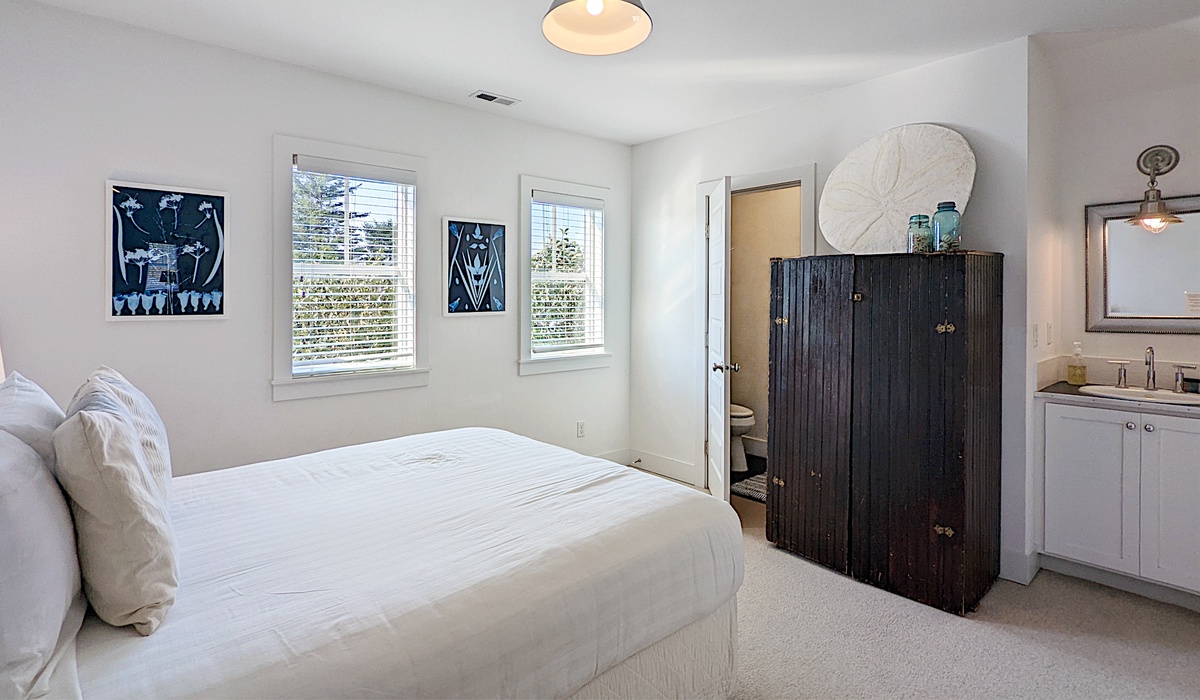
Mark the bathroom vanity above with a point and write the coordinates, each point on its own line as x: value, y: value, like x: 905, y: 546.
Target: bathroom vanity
x: 1121, y: 486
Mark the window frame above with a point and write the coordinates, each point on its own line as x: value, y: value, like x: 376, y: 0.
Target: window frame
x: 531, y: 363
x: 284, y: 385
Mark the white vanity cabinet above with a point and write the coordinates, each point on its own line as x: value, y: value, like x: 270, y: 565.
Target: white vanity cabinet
x: 1171, y: 500
x: 1122, y: 492
x: 1093, y: 459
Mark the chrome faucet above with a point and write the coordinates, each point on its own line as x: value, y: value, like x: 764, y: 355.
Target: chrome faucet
x: 1151, y: 384
x: 1179, y: 377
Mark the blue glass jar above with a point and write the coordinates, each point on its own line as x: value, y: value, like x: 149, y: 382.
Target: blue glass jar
x: 920, y: 236
x: 946, y: 227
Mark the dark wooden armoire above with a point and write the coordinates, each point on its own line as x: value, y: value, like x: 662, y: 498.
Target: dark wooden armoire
x: 884, y: 420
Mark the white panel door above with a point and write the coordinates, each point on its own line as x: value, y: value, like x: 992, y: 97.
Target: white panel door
x: 717, y: 395
x: 1171, y: 500
x: 1092, y: 498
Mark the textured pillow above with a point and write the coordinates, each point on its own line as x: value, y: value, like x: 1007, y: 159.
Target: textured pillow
x: 41, y: 606
x: 29, y: 414
x: 115, y: 466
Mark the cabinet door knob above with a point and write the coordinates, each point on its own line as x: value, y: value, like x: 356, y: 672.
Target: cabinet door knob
x: 1131, y: 425
x: 1149, y: 428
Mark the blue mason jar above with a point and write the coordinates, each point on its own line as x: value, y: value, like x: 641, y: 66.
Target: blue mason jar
x: 946, y: 227
x: 920, y: 236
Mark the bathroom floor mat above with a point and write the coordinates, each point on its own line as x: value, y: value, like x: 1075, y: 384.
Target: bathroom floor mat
x: 754, y: 488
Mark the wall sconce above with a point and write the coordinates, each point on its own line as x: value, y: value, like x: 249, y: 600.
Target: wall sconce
x: 596, y: 27
x: 1153, y: 214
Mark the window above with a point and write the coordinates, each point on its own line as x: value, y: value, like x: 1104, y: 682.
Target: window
x: 563, y: 270
x: 347, y: 241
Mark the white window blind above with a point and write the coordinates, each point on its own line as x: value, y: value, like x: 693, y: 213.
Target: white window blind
x: 566, y: 273
x: 353, y: 272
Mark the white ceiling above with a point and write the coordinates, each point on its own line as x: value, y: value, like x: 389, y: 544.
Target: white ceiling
x: 706, y: 61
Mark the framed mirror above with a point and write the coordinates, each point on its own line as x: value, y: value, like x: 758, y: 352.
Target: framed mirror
x: 1143, y: 282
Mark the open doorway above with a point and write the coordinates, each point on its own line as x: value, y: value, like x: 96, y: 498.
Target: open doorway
x: 714, y: 209
x: 765, y: 223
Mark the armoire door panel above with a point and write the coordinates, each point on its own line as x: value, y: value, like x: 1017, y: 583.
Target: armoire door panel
x: 947, y: 488
x: 890, y: 398
x: 810, y: 383
x: 781, y: 427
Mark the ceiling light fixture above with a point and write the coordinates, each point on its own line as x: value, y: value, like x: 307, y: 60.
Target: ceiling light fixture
x: 596, y: 27
x: 1153, y: 214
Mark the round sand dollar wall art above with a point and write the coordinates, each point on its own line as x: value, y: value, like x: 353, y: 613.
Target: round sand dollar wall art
x: 903, y: 171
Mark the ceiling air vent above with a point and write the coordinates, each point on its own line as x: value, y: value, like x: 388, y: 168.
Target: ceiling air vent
x: 495, y: 99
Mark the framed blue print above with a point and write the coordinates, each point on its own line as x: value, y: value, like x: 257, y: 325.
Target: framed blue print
x: 473, y: 264
x: 166, y: 252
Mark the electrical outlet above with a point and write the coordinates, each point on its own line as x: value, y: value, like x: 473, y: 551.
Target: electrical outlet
x: 1035, y: 338
x: 579, y: 429
x: 1049, y: 330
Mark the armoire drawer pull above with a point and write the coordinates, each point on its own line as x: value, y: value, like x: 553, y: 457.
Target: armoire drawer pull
x: 1131, y: 425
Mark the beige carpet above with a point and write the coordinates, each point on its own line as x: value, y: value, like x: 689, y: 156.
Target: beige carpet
x: 806, y: 632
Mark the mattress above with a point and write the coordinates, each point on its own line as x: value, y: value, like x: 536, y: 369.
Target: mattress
x: 697, y: 662
x: 465, y: 563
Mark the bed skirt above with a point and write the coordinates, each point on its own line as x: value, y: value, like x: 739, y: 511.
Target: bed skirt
x: 698, y: 661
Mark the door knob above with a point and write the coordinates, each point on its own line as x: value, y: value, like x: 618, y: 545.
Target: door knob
x: 718, y: 367
x: 1131, y: 425
x: 1149, y: 428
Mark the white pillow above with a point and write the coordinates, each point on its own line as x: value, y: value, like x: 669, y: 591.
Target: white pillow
x: 41, y: 606
x: 29, y: 414
x: 114, y: 464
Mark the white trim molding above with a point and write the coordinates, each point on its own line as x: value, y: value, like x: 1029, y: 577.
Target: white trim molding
x: 284, y: 385
x: 596, y: 358
x: 665, y: 466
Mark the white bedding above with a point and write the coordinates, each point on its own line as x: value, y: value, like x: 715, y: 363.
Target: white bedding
x: 466, y: 563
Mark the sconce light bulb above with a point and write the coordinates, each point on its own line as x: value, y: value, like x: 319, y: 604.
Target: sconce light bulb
x: 595, y: 7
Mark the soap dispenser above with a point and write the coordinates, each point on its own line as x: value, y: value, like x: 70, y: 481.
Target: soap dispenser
x: 1076, y: 370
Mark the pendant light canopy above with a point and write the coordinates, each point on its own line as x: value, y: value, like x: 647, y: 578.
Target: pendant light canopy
x: 596, y: 27
x: 1153, y: 214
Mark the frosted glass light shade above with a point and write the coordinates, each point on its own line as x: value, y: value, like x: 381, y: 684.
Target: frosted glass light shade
x: 619, y: 26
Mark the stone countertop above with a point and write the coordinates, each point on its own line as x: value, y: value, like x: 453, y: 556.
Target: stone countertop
x: 1062, y: 392
x: 1062, y: 388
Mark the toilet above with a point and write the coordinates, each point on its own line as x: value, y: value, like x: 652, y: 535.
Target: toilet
x: 741, y: 420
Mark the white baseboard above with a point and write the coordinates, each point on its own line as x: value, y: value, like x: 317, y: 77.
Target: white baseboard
x: 1018, y: 566
x: 670, y: 468
x: 755, y: 446
x: 618, y: 456
x: 1138, y: 586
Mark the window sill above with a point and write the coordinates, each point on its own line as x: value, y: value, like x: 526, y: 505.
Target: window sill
x: 563, y: 363
x: 313, y: 387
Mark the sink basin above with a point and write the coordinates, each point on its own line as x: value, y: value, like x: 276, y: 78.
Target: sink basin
x: 1133, y: 394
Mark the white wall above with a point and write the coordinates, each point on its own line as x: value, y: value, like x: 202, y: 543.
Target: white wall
x: 1117, y: 98
x: 982, y: 94
x: 85, y: 100
x: 1047, y: 237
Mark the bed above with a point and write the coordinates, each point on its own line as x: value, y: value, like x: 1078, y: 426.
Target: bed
x: 464, y: 563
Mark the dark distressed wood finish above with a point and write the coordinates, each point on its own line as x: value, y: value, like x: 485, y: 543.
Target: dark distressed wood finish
x: 885, y: 431
x: 808, y: 475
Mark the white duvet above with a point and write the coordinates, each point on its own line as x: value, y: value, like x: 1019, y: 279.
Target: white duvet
x: 466, y: 563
